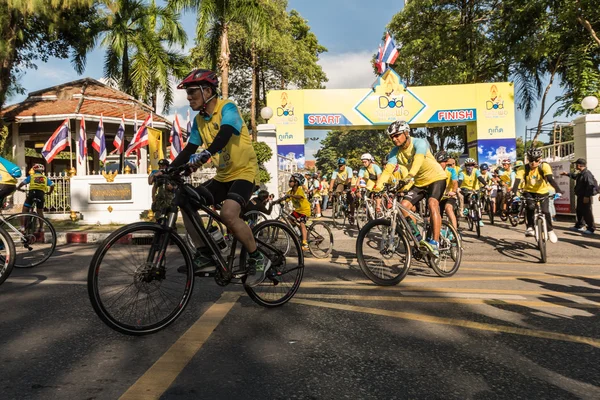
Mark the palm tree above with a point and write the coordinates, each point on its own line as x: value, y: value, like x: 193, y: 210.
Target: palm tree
x: 138, y: 37
x: 214, y: 18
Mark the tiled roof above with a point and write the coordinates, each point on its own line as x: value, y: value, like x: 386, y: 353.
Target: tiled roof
x: 85, y: 96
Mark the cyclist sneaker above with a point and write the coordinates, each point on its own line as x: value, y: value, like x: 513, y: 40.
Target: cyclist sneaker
x: 305, y: 246
x: 432, y: 246
x: 257, y: 269
x: 202, y: 263
x: 552, y: 237
x: 529, y: 232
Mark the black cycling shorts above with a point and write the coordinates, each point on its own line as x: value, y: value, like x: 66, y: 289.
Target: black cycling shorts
x: 447, y: 200
x: 434, y: 190
x: 35, y: 195
x: 238, y: 190
x: 5, y: 191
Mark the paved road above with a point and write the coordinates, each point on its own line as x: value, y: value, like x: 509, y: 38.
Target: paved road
x: 505, y: 326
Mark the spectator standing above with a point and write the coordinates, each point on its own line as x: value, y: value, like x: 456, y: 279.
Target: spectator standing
x: 586, y: 187
x: 324, y: 193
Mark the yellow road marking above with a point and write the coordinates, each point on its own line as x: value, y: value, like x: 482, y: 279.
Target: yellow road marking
x: 529, y: 264
x: 454, y: 322
x: 418, y: 299
x: 161, y: 375
x: 412, y: 279
x: 503, y: 270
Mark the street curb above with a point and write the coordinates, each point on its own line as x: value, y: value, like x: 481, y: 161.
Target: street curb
x: 80, y: 237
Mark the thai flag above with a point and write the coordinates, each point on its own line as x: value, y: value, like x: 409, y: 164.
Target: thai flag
x: 57, y: 142
x: 176, y: 138
x: 140, y: 139
x: 119, y: 141
x: 379, y: 61
x: 99, y: 143
x: 390, y: 52
x: 81, y: 155
x: 188, y: 126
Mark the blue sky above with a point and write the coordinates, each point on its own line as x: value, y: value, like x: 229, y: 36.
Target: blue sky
x: 351, y: 30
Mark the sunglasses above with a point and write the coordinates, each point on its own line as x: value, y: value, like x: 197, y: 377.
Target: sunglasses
x: 395, y: 135
x: 292, y: 181
x: 191, y: 90
x: 534, y: 161
x: 450, y: 165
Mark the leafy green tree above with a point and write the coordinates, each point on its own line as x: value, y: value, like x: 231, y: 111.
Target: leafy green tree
x: 214, y: 20
x: 40, y: 29
x: 138, y: 37
x: 263, y: 154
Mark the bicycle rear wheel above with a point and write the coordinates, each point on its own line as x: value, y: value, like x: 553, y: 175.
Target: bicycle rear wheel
x: 320, y: 239
x: 287, y: 264
x: 7, y: 255
x: 450, y: 249
x: 135, y: 287
x: 37, y: 241
x: 383, y: 256
x: 541, y: 239
x: 338, y: 215
x: 254, y: 218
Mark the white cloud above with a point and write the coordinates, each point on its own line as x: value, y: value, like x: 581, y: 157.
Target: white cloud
x: 348, y: 70
x: 480, y: 149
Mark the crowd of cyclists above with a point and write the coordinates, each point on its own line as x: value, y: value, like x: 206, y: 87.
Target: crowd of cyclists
x: 222, y: 137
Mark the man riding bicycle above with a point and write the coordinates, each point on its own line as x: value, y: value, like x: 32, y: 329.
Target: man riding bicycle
x: 449, y: 199
x: 342, y: 179
x: 538, y: 178
x: 428, y: 176
x: 507, y: 178
x: 370, y: 172
x: 491, y: 185
x: 38, y: 185
x: 220, y: 129
x: 468, y: 180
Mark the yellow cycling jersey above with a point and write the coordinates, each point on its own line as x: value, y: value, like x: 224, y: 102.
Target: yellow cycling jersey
x: 469, y: 182
x: 419, y: 160
x: 38, y: 182
x: 341, y: 177
x: 302, y: 205
x: 237, y: 160
x: 535, y: 182
x: 449, y: 185
x: 324, y: 188
x: 5, y: 177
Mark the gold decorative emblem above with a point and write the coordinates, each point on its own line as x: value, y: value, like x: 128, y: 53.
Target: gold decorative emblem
x: 110, y: 177
x: 73, y: 216
x: 110, y: 209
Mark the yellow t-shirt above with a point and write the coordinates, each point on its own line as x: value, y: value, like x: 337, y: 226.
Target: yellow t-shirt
x: 533, y: 182
x: 5, y: 177
x: 449, y: 186
x: 419, y: 160
x: 302, y: 205
x: 324, y: 188
x: 237, y: 160
x: 38, y: 182
x: 470, y: 181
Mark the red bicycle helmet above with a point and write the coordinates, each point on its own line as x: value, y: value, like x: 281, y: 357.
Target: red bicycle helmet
x: 200, y: 77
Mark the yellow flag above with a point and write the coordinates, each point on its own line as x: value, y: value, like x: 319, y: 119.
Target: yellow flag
x: 155, y: 147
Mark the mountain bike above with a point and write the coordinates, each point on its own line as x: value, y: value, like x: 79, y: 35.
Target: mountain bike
x: 7, y: 255
x: 141, y: 277
x: 366, y: 209
x: 541, y: 228
x: 385, y: 247
x: 340, y: 210
x: 34, y: 236
x: 487, y: 203
x: 319, y: 235
x: 473, y: 210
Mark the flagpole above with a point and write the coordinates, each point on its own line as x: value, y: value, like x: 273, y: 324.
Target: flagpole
x: 70, y: 146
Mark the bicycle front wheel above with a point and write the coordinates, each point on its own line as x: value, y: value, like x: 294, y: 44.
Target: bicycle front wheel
x: 36, y: 240
x: 450, y: 249
x: 383, y: 256
x: 140, y: 278
x: 282, y: 248
x: 7, y: 255
x: 338, y: 215
x: 320, y: 239
x: 541, y: 239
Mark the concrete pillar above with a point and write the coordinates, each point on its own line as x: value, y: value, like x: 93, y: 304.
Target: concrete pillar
x: 587, y: 145
x: 267, y: 134
x: 18, y: 148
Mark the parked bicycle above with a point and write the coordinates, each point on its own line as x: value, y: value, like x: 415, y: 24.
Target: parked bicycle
x: 385, y: 247
x: 133, y: 280
x: 34, y: 237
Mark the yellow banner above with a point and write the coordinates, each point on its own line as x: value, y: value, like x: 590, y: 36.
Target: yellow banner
x: 155, y: 147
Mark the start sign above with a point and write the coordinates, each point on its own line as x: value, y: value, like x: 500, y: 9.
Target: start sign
x: 325, y: 120
x: 467, y: 114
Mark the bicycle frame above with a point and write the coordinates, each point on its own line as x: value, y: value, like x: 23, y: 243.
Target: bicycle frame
x: 538, y: 214
x: 397, y: 213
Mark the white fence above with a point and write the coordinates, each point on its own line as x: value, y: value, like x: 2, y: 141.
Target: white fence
x: 559, y: 151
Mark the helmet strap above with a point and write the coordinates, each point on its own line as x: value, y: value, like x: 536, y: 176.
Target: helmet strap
x: 202, y: 109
